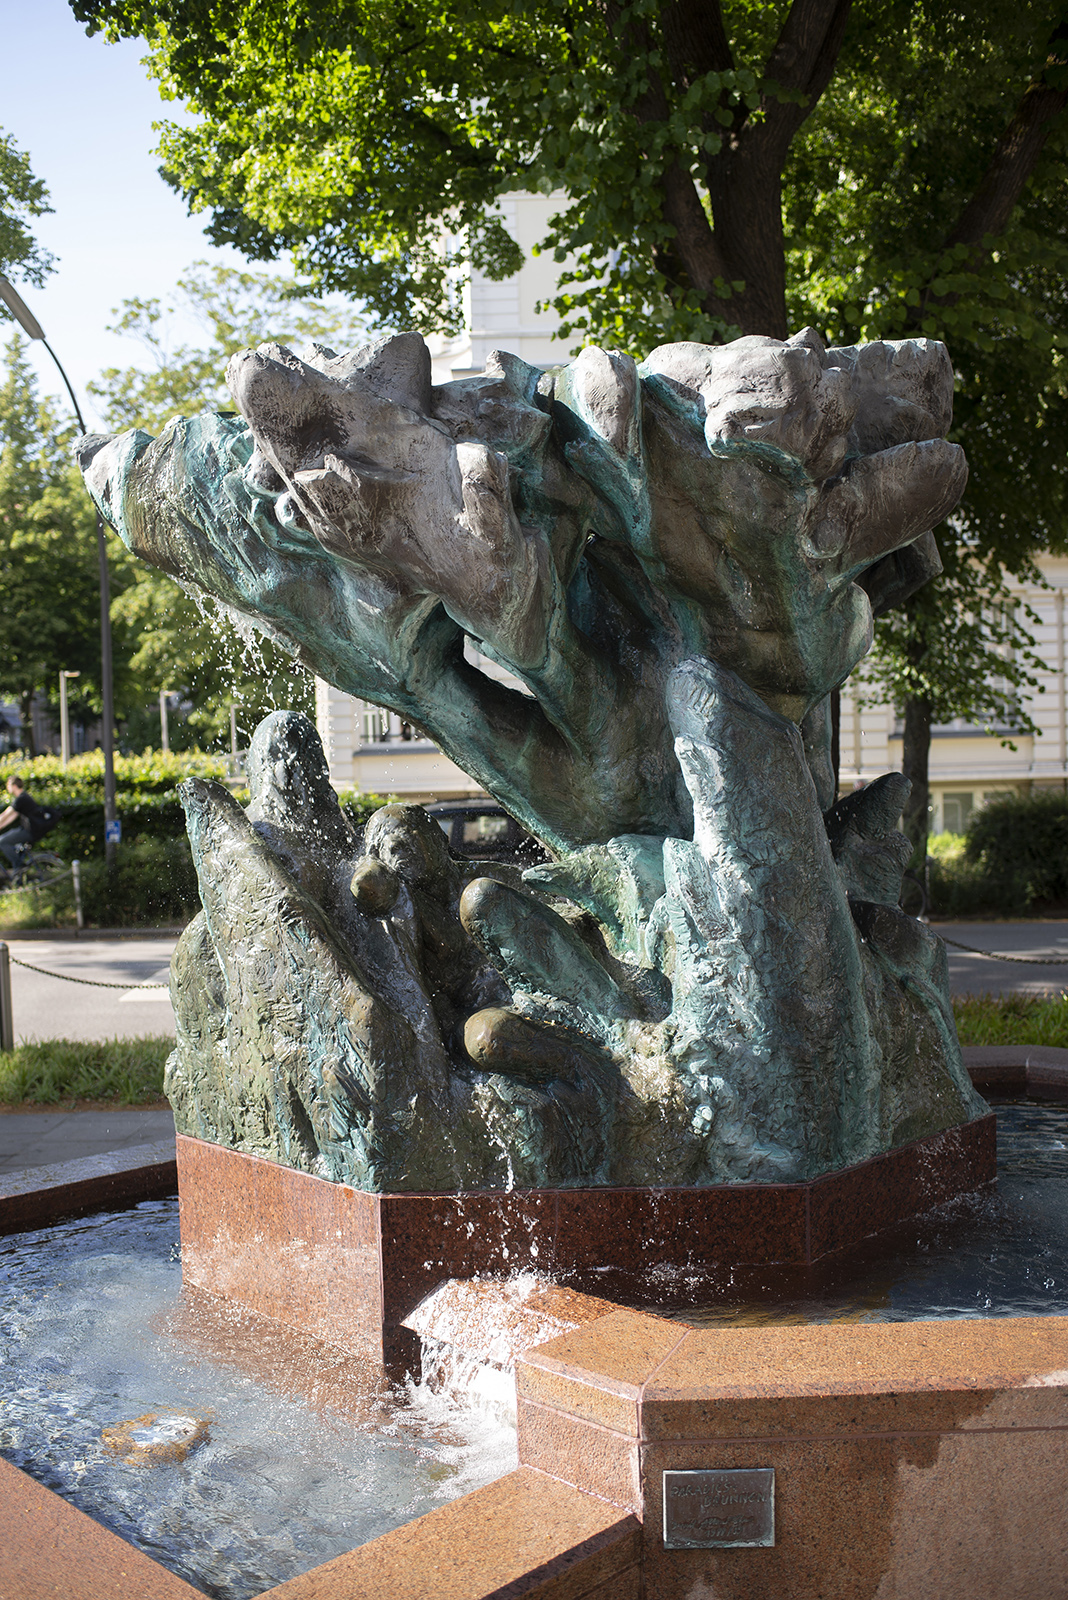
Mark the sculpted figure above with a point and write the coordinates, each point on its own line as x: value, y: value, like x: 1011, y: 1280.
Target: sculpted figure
x: 710, y: 980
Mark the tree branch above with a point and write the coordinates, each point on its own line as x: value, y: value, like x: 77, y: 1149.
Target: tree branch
x: 805, y: 52
x: 1014, y: 158
x: 803, y: 60
x: 695, y: 248
x: 1017, y: 151
x: 695, y: 39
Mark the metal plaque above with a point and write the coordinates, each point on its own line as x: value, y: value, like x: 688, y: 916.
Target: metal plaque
x: 713, y: 1510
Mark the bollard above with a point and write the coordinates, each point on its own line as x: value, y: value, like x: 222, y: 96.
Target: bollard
x: 7, y: 1022
x: 76, y: 879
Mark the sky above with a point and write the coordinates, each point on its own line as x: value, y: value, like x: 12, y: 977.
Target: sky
x: 83, y: 111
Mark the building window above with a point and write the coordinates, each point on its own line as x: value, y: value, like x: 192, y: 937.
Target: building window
x: 375, y: 725
x: 956, y: 809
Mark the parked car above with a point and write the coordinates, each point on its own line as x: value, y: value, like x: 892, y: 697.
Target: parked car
x: 480, y: 830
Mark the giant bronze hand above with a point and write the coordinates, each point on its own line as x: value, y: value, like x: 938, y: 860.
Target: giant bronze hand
x: 589, y: 529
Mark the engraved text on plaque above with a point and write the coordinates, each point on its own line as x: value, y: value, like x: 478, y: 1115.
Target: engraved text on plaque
x: 713, y: 1510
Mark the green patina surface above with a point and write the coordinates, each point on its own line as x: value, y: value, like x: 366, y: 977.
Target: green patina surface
x: 710, y: 981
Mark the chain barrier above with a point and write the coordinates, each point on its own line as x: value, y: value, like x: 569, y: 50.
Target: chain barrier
x: 93, y: 983
x: 1023, y: 961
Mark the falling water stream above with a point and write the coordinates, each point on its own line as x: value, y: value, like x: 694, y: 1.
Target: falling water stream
x: 297, y: 1453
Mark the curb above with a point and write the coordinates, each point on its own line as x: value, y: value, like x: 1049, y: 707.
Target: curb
x: 36, y: 1196
x: 1037, y: 1070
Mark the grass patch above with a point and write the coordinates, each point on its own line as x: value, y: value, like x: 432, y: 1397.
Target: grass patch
x: 126, y: 1071
x: 1012, y: 1019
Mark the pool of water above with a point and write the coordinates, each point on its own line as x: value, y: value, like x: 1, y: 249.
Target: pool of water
x: 1003, y: 1253
x: 306, y: 1454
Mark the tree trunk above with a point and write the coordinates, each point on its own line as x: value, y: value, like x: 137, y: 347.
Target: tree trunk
x: 915, y: 765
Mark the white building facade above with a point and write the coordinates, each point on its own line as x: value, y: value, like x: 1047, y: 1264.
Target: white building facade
x: 969, y: 766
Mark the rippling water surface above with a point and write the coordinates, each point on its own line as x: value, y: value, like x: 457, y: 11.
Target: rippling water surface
x: 308, y: 1454
x: 1000, y: 1254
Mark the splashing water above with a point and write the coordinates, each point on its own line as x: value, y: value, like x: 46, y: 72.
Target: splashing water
x: 308, y: 1453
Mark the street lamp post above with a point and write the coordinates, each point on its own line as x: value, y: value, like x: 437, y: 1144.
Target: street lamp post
x: 33, y: 330
x: 64, y: 723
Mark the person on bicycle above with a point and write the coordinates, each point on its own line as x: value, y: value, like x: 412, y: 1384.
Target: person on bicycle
x: 33, y: 821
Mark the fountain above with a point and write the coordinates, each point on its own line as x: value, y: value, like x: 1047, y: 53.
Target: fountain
x: 701, y: 1042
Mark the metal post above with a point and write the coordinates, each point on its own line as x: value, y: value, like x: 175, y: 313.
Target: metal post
x: 108, y: 694
x: 64, y: 720
x: 164, y: 731
x: 7, y: 1021
x: 76, y: 879
x: 64, y: 725
x: 233, y: 740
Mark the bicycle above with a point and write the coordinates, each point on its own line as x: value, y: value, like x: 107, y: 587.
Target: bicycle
x: 34, y: 869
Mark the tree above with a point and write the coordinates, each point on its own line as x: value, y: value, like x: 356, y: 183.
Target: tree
x: 49, y: 607
x: 182, y: 643
x: 889, y: 168
x: 22, y: 198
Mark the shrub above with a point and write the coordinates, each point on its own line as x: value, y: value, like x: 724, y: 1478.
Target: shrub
x: 359, y: 807
x: 154, y: 882
x: 146, y: 795
x: 1023, y: 842
x: 959, y: 887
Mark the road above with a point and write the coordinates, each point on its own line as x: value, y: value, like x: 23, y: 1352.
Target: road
x: 54, y: 1008
x: 972, y: 974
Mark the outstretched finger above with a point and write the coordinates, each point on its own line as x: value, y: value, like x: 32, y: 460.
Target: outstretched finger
x: 887, y: 500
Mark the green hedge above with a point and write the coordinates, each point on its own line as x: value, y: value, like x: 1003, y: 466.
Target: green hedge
x: 146, y: 795
x: 1013, y: 858
x: 154, y: 881
x: 1023, y: 843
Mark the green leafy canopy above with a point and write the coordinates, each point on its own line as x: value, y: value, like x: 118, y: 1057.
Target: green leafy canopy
x: 886, y: 168
x: 49, y: 573
x: 23, y: 198
x: 178, y: 642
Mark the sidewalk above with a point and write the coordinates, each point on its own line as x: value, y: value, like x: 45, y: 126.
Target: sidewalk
x: 44, y: 1138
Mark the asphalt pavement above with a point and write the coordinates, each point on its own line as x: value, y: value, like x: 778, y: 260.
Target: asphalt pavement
x: 45, y: 1006
x: 43, y: 1138
x: 976, y: 974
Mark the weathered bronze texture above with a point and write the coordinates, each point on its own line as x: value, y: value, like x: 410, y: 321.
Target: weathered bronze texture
x: 711, y: 981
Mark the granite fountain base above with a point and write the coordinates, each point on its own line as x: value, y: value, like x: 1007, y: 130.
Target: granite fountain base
x: 350, y: 1266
